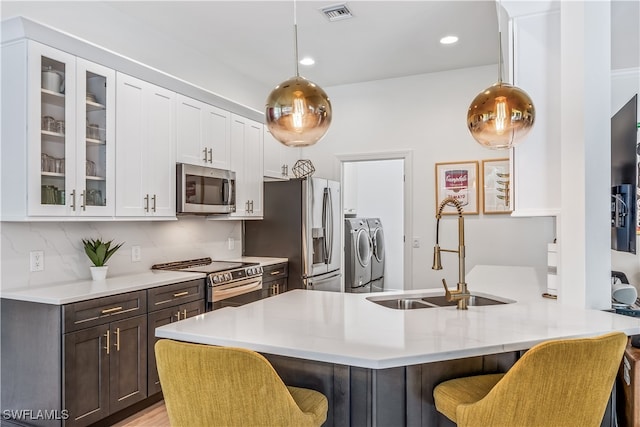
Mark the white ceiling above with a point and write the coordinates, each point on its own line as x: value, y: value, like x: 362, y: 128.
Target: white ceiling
x: 384, y: 39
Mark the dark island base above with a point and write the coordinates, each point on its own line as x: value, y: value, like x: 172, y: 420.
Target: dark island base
x: 391, y: 397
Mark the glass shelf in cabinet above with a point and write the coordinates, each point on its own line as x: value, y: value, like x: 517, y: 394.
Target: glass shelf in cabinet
x: 95, y: 106
x: 95, y: 178
x: 51, y: 97
x: 52, y: 174
x: 54, y: 135
x: 95, y: 141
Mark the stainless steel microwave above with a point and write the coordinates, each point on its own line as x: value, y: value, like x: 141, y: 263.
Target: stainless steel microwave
x: 205, y: 191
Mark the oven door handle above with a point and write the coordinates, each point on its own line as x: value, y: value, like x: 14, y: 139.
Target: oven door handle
x: 219, y: 295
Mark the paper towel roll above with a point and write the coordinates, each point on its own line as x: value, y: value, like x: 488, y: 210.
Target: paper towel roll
x: 624, y: 293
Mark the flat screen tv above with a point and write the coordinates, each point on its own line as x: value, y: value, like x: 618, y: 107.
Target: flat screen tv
x: 624, y: 177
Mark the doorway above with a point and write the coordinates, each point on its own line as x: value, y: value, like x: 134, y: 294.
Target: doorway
x: 378, y: 185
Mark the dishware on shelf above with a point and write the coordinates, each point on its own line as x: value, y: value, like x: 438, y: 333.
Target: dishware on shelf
x: 91, y: 97
x: 94, y: 197
x: 52, y: 80
x: 48, y: 195
x: 58, y: 166
x: 60, y: 128
x: 91, y: 168
x: 93, y: 131
x: 48, y: 124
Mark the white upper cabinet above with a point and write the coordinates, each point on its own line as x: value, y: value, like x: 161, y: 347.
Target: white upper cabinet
x: 203, y: 134
x: 536, y: 69
x: 278, y: 158
x: 63, y: 111
x: 246, y: 161
x: 145, y: 159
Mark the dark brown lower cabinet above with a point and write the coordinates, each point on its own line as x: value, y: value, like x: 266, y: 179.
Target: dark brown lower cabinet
x: 105, y: 369
x: 160, y: 318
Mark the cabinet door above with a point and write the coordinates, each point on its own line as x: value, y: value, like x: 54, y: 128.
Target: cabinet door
x: 217, y: 137
x: 159, y: 151
x: 246, y: 161
x: 95, y: 131
x: 274, y: 164
x: 189, y: 128
x: 51, y: 143
x: 127, y: 362
x: 86, y: 375
x: 132, y: 196
x: 160, y: 318
x: 155, y: 320
x: 145, y: 161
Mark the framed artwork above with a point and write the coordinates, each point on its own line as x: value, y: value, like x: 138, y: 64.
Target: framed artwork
x: 496, y: 186
x: 460, y: 181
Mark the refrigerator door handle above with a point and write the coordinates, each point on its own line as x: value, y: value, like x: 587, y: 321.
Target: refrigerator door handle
x: 325, y: 229
x: 330, y: 230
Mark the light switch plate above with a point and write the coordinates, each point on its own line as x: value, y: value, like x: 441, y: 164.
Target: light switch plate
x: 36, y: 261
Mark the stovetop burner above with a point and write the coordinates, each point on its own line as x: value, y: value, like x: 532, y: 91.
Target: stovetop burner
x: 203, y: 265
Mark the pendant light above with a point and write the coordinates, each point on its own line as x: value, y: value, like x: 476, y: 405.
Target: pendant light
x: 298, y: 111
x: 501, y: 115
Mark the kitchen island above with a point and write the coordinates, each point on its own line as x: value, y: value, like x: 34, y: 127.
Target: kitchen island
x: 377, y: 365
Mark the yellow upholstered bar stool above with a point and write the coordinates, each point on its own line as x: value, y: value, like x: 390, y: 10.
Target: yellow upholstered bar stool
x: 556, y: 383
x: 222, y: 386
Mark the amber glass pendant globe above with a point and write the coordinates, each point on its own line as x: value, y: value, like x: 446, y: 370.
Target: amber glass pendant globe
x: 500, y: 116
x: 298, y: 112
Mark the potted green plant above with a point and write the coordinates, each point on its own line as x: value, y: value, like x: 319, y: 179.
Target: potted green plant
x: 99, y: 253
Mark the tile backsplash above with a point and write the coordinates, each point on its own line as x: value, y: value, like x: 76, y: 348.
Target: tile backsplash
x: 65, y: 260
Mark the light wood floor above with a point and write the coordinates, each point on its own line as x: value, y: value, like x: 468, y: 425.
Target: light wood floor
x: 153, y: 416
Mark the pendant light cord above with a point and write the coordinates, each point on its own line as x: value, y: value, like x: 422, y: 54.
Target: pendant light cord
x: 295, y: 37
x: 499, y: 42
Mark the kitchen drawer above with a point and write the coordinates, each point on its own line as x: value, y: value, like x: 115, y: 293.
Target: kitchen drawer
x: 86, y: 314
x: 275, y: 271
x: 175, y: 294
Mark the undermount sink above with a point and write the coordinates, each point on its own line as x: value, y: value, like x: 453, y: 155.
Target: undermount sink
x: 401, y: 302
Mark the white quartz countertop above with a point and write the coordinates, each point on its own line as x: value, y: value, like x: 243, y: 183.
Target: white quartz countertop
x: 350, y: 330
x: 82, y: 290
x: 87, y: 289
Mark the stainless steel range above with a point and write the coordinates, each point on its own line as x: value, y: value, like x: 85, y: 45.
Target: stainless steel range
x: 227, y: 281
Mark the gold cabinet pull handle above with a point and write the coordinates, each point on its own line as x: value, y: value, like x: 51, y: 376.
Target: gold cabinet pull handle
x: 273, y: 273
x: 181, y: 294
x: 184, y: 313
x: 177, y: 315
x: 117, y: 339
x: 107, y: 335
x: 111, y: 310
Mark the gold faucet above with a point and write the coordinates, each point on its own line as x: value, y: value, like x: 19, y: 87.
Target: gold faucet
x: 461, y: 295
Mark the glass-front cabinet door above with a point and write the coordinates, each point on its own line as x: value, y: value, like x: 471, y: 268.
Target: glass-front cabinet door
x: 95, y: 128
x: 51, y: 89
x: 70, y: 132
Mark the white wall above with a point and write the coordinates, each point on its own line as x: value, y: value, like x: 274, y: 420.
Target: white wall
x: 105, y: 26
x: 378, y: 187
x: 426, y: 114
x: 65, y: 260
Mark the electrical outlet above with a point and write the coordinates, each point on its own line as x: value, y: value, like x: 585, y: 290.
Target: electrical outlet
x: 135, y: 254
x: 230, y: 243
x: 36, y: 261
x: 416, y: 242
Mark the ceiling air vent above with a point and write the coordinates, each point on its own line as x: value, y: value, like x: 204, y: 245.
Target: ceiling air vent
x: 337, y: 12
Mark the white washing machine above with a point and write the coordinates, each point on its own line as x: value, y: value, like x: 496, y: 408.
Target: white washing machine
x: 376, y: 234
x: 358, y: 252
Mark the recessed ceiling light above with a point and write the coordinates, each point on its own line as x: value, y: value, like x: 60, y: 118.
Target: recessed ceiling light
x: 449, y: 39
x: 307, y: 61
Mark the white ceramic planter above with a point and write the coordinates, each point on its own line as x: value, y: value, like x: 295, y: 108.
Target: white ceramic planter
x: 99, y: 273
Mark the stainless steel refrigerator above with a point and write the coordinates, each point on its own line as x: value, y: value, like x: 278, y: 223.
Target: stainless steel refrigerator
x: 302, y: 223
